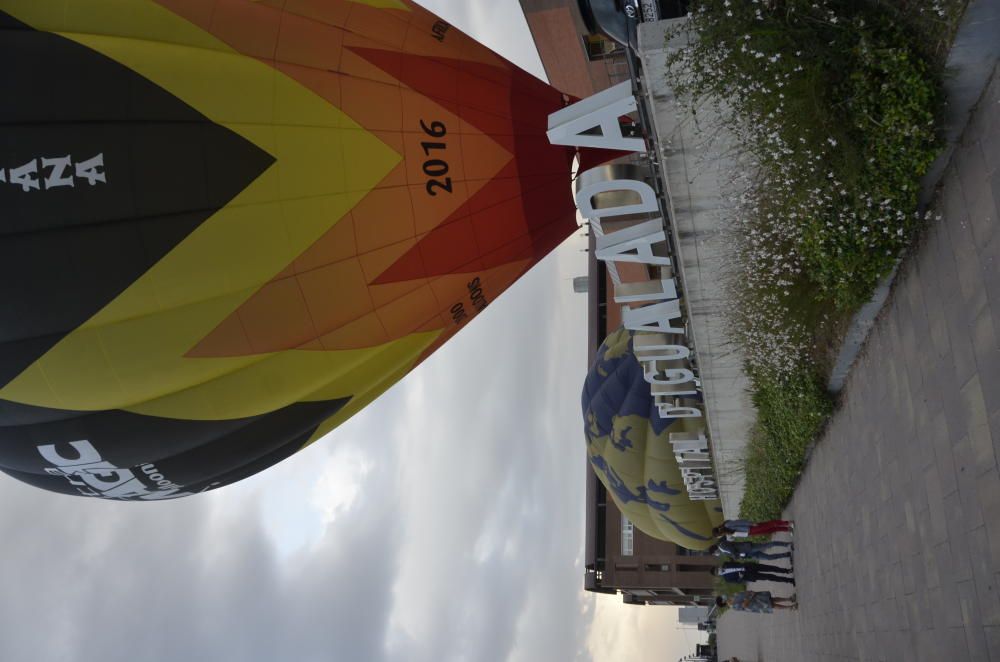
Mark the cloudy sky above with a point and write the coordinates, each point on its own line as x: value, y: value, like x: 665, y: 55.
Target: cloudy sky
x: 445, y: 522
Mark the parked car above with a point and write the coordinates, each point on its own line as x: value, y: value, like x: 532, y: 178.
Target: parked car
x: 617, y: 19
x: 655, y: 10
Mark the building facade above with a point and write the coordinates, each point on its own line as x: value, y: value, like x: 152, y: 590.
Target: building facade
x: 692, y: 615
x: 576, y: 62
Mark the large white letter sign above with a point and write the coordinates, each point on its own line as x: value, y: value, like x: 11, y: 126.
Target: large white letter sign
x: 671, y: 376
x: 669, y: 411
x: 574, y: 125
x: 685, y: 442
x: 665, y: 394
x: 618, y: 246
x: 654, y: 318
x: 594, y: 182
x: 659, y: 345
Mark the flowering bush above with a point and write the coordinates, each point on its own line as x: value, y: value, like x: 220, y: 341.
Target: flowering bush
x: 832, y: 106
x: 833, y: 111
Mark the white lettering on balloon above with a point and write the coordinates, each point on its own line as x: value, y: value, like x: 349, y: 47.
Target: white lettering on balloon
x: 92, y: 476
x: 48, y: 173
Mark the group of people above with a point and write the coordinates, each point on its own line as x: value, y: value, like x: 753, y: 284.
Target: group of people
x: 745, y: 565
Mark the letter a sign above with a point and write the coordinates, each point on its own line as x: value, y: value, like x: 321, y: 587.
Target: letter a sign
x: 574, y: 125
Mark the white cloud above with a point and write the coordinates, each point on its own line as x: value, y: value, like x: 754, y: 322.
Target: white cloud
x: 485, y: 480
x: 339, y: 483
x: 638, y: 634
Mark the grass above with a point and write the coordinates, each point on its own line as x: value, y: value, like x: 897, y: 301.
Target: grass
x: 834, y: 108
x: 790, y: 414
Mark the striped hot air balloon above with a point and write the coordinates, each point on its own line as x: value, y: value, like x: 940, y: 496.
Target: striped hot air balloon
x: 630, y: 451
x: 228, y: 225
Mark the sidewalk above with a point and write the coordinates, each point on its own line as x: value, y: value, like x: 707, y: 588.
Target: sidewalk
x: 898, y: 511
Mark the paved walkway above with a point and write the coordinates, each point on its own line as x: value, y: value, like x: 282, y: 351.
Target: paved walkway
x: 898, y: 512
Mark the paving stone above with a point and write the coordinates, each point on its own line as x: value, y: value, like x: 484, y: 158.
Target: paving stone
x: 970, y: 273
x: 925, y: 433
x: 953, y: 644
x: 978, y: 425
x: 987, y: 360
x: 935, y: 506
x: 911, y: 569
x: 937, y: 431
x: 992, y: 636
x: 978, y: 123
x: 958, y: 543
x: 975, y: 639
x: 995, y: 176
x: 988, y: 486
x: 972, y: 622
x: 938, y: 321
x: 929, y: 645
x: 969, y: 606
x: 990, y: 145
x: 982, y: 213
x: 963, y: 357
x: 954, y: 406
x: 989, y: 602
x: 949, y: 609
x: 995, y: 431
x: 910, y: 373
x: 918, y: 318
x: 970, y: 164
x: 984, y: 577
x: 968, y: 487
x: 989, y: 262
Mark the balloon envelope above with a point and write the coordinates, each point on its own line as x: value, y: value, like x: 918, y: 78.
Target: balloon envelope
x: 228, y: 225
x: 629, y: 449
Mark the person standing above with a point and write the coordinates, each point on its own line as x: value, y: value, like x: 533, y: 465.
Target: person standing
x: 737, y: 572
x: 756, y: 602
x: 755, y: 551
x: 741, y: 528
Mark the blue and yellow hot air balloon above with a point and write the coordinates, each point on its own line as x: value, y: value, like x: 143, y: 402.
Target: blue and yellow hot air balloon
x: 629, y: 450
x: 228, y: 225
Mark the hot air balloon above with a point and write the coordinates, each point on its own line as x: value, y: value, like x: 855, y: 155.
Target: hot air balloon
x: 228, y: 225
x: 629, y: 449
